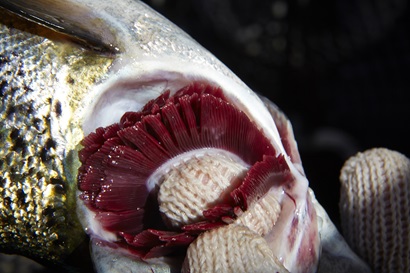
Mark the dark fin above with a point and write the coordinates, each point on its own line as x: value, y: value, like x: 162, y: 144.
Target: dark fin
x: 77, y: 22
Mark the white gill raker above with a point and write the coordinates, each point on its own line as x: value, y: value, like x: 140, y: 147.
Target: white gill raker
x: 375, y: 208
x: 231, y: 249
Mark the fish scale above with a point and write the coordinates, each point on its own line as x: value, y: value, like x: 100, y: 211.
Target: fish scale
x: 37, y: 208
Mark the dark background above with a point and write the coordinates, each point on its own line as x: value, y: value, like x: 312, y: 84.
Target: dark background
x: 339, y: 69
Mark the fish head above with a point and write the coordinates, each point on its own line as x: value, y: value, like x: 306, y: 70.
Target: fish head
x: 173, y: 155
x: 195, y: 150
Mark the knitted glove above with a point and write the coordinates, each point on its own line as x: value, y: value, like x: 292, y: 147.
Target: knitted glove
x: 375, y: 208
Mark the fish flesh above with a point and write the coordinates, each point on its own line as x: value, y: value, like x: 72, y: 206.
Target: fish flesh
x: 118, y: 125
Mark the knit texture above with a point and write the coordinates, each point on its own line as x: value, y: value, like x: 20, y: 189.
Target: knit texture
x: 262, y: 215
x: 196, y: 185
x: 231, y: 249
x: 375, y: 211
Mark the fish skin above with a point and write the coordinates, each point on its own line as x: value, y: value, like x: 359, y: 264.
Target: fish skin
x: 64, y: 95
x: 42, y: 80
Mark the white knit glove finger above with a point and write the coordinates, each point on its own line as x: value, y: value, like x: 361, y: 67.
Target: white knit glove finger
x: 375, y: 208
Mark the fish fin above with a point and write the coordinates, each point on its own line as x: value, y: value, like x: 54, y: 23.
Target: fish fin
x: 77, y: 21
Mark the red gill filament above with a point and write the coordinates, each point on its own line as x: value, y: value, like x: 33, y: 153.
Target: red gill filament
x: 117, y: 161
